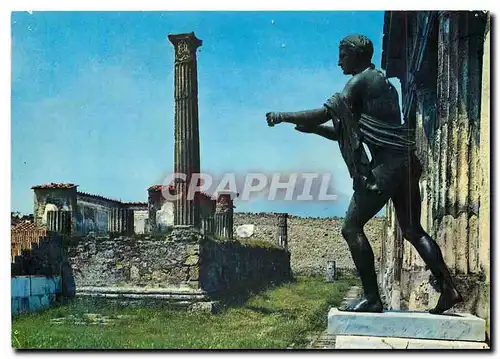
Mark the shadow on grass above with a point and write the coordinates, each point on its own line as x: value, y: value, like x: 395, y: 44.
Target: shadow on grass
x: 239, y: 294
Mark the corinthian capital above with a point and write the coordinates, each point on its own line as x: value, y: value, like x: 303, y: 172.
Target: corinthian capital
x: 185, y: 46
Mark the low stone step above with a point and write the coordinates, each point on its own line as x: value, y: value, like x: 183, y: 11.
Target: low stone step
x: 363, y: 342
x: 402, y: 324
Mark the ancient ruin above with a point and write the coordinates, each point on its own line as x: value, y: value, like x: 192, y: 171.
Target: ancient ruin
x: 442, y: 61
x: 186, y: 250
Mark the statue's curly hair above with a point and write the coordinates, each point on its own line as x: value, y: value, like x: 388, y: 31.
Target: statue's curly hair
x: 359, y: 45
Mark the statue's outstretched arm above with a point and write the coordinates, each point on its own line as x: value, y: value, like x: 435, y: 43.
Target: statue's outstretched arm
x: 314, y: 117
x: 328, y: 132
x: 309, y: 118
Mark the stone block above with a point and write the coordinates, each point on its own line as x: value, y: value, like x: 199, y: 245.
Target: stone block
x: 364, y: 342
x: 245, y: 230
x: 45, y: 300
x: 15, y: 306
x: 194, y: 273
x: 51, y: 285
x: 20, y: 286
x: 134, y: 273
x: 40, y: 285
x: 204, y: 307
x: 192, y: 260
x: 35, y: 302
x: 400, y: 324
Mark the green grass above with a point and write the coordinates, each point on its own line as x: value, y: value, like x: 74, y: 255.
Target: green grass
x: 277, y: 318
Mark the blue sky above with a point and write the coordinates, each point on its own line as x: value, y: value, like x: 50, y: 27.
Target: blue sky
x: 92, y: 97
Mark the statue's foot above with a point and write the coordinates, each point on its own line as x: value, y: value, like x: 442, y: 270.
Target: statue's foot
x: 447, y: 299
x: 364, y: 305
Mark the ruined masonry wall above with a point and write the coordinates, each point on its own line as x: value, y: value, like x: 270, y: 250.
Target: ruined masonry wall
x: 129, y: 261
x: 179, y: 259
x: 224, y: 265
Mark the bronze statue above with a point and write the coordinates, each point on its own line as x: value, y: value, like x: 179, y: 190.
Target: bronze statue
x: 367, y: 111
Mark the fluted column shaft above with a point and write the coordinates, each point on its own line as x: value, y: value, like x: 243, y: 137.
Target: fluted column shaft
x: 186, y: 138
x: 121, y: 220
x: 59, y: 221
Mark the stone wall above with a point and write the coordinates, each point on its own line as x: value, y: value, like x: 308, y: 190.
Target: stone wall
x: 312, y: 241
x: 180, y: 259
x: 143, y: 261
x: 40, y: 275
x: 32, y: 293
x: 226, y: 264
x: 92, y: 214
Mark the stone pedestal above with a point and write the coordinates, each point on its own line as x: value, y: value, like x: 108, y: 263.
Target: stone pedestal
x: 364, y: 342
x: 404, y: 329
x: 330, y: 271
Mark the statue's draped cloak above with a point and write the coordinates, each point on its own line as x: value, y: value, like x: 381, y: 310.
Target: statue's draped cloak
x: 391, y: 146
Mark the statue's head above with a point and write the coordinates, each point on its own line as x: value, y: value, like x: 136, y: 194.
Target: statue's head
x: 355, y: 51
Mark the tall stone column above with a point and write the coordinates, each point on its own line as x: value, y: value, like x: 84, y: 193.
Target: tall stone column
x: 187, y: 144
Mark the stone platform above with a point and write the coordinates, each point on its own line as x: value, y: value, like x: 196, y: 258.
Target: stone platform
x: 363, y: 342
x: 174, y: 296
x: 405, y: 330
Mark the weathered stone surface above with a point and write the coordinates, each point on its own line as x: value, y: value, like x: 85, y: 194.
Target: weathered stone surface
x: 145, y: 261
x: 180, y: 259
x: 204, y: 307
x: 134, y: 273
x: 15, y: 304
x: 20, y: 286
x: 455, y: 153
x: 245, y: 230
x: 227, y: 264
x: 41, y: 286
x: 464, y: 327
x: 366, y: 342
x: 45, y: 300
x: 172, y: 290
x: 194, y: 273
x: 192, y: 260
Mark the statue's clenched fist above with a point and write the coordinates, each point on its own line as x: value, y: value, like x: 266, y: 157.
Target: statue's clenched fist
x: 273, y: 118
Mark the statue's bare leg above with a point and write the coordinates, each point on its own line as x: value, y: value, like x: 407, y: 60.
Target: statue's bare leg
x: 407, y: 206
x: 364, y: 205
